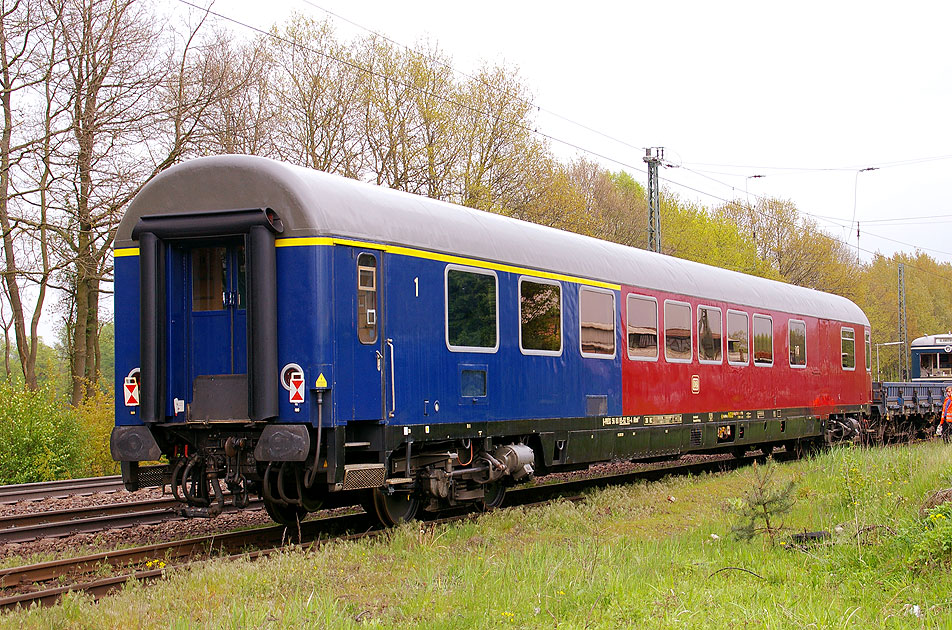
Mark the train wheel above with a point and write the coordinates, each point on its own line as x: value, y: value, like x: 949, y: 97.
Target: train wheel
x: 495, y: 495
x: 312, y: 501
x: 396, y: 508
x: 287, y: 515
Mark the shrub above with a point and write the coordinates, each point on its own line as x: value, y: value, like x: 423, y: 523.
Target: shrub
x: 96, y: 417
x: 40, y: 437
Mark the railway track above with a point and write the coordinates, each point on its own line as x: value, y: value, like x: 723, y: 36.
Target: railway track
x: 43, y: 583
x: 56, y: 489
x: 20, y: 528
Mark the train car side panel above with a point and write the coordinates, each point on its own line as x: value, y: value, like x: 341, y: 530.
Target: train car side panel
x: 126, y: 318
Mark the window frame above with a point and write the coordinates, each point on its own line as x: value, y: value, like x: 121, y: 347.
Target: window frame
x: 376, y: 292
x: 868, y: 349
x: 797, y: 366
x: 690, y: 358
x: 772, y: 350
x: 446, y: 308
x: 727, y: 333
x: 852, y: 330
x: 646, y: 298
x: 556, y: 283
x: 698, y: 331
x: 592, y: 355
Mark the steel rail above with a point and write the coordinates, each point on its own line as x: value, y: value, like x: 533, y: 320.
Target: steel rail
x: 20, y: 528
x: 51, y: 489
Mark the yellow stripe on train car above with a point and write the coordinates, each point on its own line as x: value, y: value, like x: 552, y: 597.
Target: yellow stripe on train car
x: 310, y: 241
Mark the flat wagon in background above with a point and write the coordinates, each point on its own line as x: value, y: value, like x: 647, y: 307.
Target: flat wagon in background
x: 910, y: 409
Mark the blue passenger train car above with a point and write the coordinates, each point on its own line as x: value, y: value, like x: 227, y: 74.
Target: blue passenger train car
x: 931, y: 358
x: 309, y: 338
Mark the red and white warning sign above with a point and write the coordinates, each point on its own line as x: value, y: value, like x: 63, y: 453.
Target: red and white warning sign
x: 130, y: 390
x: 297, y: 388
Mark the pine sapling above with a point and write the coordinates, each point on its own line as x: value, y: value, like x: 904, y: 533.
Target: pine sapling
x: 761, y: 509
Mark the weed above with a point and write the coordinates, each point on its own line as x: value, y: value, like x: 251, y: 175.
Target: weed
x: 931, y: 542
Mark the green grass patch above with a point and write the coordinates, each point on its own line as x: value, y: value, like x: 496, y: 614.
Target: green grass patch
x: 657, y: 555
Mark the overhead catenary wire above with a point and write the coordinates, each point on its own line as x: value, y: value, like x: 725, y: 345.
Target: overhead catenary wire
x: 857, y: 169
x: 814, y: 169
x: 419, y: 90
x: 829, y: 236
x: 475, y: 78
x: 619, y: 162
x: 912, y: 220
x: 838, y: 222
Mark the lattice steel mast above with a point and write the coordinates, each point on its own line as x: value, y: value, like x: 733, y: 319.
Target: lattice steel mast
x: 903, y: 356
x: 654, y: 157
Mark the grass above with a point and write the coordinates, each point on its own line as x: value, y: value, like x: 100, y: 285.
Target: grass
x: 654, y: 555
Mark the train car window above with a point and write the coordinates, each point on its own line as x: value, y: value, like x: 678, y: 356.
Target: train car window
x: 596, y: 323
x: 472, y: 315
x: 869, y: 358
x: 709, y: 338
x: 763, y: 340
x: 945, y: 365
x: 642, y: 328
x: 367, y: 298
x: 797, y: 342
x: 677, y: 332
x: 540, y: 317
x: 738, y: 338
x: 935, y: 365
x: 848, y: 348
x: 472, y: 383
x: 209, y: 278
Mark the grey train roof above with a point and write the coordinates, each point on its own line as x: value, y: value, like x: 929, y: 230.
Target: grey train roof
x: 933, y: 340
x: 313, y: 203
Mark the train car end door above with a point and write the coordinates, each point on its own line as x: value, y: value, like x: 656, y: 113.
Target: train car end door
x: 371, y: 355
x: 215, y: 293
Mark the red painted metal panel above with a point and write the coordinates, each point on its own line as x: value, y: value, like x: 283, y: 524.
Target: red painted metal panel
x: 660, y: 387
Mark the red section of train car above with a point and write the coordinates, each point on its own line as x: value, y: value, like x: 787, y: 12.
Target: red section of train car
x: 718, y: 370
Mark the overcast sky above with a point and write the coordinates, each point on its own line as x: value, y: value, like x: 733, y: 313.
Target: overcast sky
x: 804, y: 93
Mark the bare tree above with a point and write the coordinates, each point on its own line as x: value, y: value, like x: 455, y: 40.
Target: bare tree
x: 317, y: 86
x: 26, y: 54
x: 497, y: 137
x: 240, y: 109
x: 107, y: 43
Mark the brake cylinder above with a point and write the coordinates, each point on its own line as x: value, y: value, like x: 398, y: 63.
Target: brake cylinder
x: 517, y: 459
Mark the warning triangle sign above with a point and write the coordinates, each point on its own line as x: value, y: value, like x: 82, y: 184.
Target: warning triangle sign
x: 297, y: 388
x: 130, y: 390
